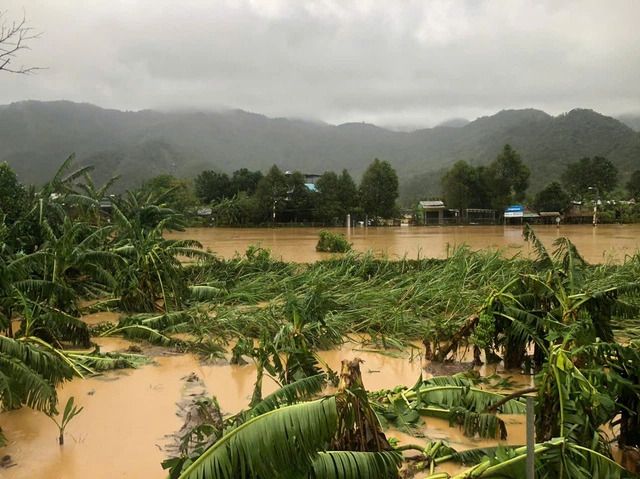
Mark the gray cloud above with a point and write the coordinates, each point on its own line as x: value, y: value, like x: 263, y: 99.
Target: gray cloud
x: 393, y: 63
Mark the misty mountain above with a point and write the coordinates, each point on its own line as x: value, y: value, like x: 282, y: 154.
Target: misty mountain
x: 455, y: 122
x: 35, y: 137
x: 632, y: 121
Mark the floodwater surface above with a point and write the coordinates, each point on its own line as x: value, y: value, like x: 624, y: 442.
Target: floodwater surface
x: 600, y: 244
x: 121, y: 432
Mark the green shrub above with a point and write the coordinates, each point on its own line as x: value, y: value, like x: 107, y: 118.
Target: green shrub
x: 332, y: 243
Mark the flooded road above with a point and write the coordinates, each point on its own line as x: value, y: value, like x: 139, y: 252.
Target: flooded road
x: 600, y: 244
x: 127, y: 414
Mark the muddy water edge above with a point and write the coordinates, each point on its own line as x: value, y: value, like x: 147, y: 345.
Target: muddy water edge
x: 596, y: 245
x: 124, y: 429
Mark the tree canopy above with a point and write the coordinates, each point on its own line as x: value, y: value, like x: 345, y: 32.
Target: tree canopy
x: 12, y: 195
x: 271, y: 192
x: 212, y: 186
x: 337, y: 196
x: 552, y: 198
x: 497, y: 185
x: 508, y: 178
x: 460, y: 186
x: 633, y: 185
x: 379, y: 189
x: 596, y: 172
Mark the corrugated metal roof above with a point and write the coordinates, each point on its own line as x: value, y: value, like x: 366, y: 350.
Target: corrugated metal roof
x: 432, y: 204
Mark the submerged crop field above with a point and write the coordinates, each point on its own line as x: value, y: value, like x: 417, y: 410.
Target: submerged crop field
x: 568, y: 327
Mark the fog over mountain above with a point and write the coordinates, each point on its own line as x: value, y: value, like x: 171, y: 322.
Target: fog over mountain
x: 632, y: 121
x: 403, y: 64
x: 35, y: 137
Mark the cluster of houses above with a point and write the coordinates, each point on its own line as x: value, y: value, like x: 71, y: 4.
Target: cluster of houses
x: 435, y: 212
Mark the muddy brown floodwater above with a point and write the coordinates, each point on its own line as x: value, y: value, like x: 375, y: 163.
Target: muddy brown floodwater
x: 127, y: 414
x: 603, y: 243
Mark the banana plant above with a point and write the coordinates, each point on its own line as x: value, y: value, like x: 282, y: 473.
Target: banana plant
x: 70, y: 411
x: 290, y: 441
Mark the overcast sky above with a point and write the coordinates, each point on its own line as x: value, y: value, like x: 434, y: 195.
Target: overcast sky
x: 392, y: 62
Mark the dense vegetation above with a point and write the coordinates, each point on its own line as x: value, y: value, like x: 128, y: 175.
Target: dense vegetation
x: 505, y: 180
x: 329, y: 242
x: 571, y: 323
x: 251, y: 198
x: 140, y: 145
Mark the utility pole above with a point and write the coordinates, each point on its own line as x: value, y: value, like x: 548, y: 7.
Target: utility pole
x: 595, y: 205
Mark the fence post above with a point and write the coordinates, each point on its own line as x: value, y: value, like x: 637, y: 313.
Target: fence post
x: 531, y: 440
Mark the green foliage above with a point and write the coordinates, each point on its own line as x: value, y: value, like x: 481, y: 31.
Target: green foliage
x: 379, y: 190
x: 271, y: 193
x: 496, y: 186
x: 454, y: 398
x: 13, y: 197
x: 596, y: 172
x: 29, y: 375
x: 70, y: 411
x: 329, y: 242
x: 245, y: 181
x: 119, y: 143
x: 174, y: 193
x: 557, y: 458
x: 258, y: 448
x: 508, y: 179
x: 460, y: 187
x: 355, y: 465
x: 211, y: 186
x: 238, y: 210
x: 337, y: 196
x: 152, y: 270
x: 633, y: 185
x: 552, y: 198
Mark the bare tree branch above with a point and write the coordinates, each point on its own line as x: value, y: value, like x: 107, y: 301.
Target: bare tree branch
x: 14, y: 37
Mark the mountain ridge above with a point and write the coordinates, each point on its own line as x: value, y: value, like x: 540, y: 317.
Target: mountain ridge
x: 35, y: 137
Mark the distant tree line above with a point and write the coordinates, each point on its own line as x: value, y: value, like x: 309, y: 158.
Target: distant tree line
x: 495, y: 186
x: 504, y: 182
x: 252, y: 198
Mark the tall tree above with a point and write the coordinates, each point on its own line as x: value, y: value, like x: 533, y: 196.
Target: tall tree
x: 337, y: 196
x: 348, y: 191
x: 245, y: 180
x: 328, y: 207
x: 633, y: 185
x: 12, y: 195
x: 271, y: 193
x: 508, y: 178
x: 211, y: 186
x: 596, y: 172
x: 379, y: 189
x: 459, y: 186
x: 299, y: 200
x: 552, y: 198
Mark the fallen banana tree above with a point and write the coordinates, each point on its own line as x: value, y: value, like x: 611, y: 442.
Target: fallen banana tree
x: 341, y: 436
x: 332, y: 437
x: 454, y: 398
x: 509, y: 462
x: 580, y: 391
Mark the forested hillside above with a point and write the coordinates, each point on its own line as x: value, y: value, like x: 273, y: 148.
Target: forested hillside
x: 36, y: 136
